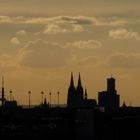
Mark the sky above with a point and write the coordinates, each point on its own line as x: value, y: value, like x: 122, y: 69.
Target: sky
x: 43, y: 41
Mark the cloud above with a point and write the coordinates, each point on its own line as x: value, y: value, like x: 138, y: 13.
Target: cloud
x: 42, y: 54
x: 80, y: 20
x: 124, y: 60
x: 90, y: 44
x: 15, y: 41
x: 54, y: 29
x: 23, y: 20
x: 77, y: 28
x: 5, y: 19
x: 85, y: 20
x: 123, y: 33
x: 21, y: 32
x: 89, y: 61
x: 112, y: 21
x: 64, y: 24
x: 62, y: 28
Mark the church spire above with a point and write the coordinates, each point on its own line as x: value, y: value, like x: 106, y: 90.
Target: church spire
x: 71, y: 100
x: 79, y: 90
x: 79, y: 81
x: 72, y: 81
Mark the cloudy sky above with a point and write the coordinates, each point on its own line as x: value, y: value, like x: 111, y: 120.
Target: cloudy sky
x: 43, y: 41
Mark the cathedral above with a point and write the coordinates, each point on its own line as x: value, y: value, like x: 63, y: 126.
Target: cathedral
x: 77, y: 97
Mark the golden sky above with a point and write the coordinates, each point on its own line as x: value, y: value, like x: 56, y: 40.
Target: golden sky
x: 43, y: 41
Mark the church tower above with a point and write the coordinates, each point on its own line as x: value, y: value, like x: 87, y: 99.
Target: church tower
x: 71, y: 100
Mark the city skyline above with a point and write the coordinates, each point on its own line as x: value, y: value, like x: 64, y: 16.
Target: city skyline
x: 9, y: 95
x: 43, y: 41
x: 77, y: 95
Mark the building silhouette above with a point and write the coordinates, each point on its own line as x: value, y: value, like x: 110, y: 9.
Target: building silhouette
x: 76, y: 96
x: 2, y: 99
x: 4, y: 102
x: 109, y: 99
x: 83, y: 119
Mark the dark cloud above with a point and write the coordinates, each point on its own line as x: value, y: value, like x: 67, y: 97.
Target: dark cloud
x: 79, y: 20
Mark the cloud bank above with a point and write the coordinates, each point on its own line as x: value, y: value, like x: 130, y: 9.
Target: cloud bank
x: 123, y: 33
x: 81, y: 20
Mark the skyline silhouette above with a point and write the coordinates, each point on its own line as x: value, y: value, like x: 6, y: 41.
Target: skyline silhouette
x: 81, y: 114
x: 77, y: 96
x: 56, y: 96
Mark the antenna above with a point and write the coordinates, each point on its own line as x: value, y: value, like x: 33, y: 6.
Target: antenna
x: 2, y: 81
x: 3, y: 98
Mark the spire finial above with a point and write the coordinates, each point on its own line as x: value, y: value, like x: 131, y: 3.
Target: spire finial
x: 72, y: 81
x: 79, y: 80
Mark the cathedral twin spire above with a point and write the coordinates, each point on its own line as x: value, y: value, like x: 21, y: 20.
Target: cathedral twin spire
x: 79, y: 81
x: 72, y: 81
x: 76, y: 94
x: 79, y: 86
